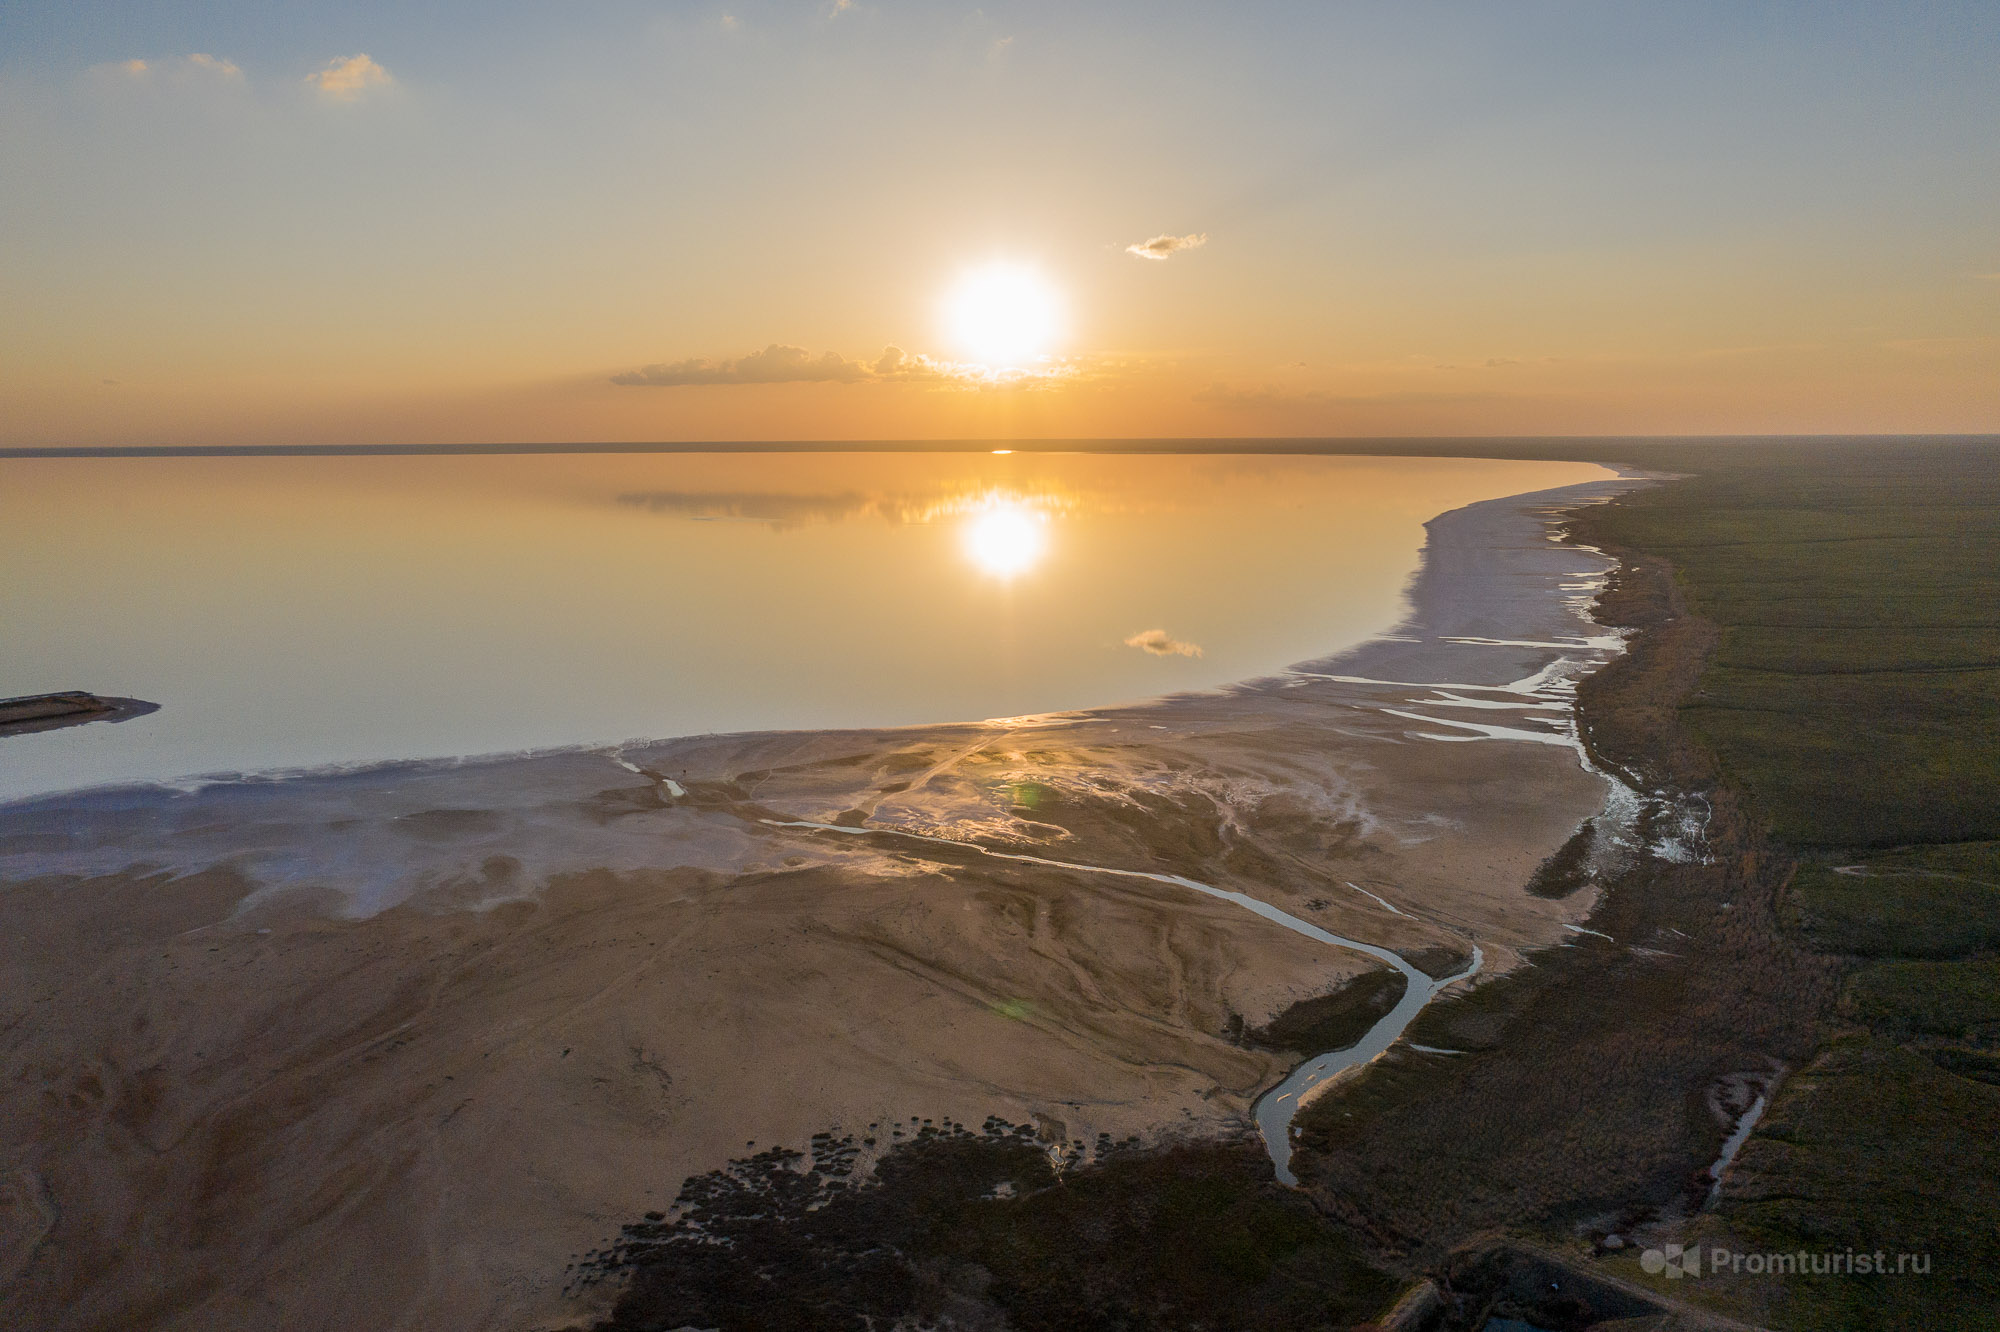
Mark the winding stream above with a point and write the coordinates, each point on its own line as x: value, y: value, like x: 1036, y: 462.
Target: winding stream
x: 1274, y: 1110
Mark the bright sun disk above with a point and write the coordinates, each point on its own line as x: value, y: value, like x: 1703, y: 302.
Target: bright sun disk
x: 1003, y: 315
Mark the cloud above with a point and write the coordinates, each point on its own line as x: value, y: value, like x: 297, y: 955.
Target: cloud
x: 895, y: 363
x: 181, y: 69
x: 345, y: 80
x: 1160, y: 644
x: 781, y: 364
x: 776, y: 364
x: 208, y: 64
x: 1163, y: 248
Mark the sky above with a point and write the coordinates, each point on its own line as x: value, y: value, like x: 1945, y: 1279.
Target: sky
x: 242, y: 223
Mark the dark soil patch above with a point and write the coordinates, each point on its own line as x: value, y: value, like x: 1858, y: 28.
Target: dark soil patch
x: 1438, y: 961
x: 1569, y: 868
x: 1332, y: 1021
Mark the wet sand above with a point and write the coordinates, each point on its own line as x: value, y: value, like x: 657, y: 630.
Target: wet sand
x: 392, y: 1047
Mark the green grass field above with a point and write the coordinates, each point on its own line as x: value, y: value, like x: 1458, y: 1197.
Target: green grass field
x: 1855, y: 692
x: 1854, y: 698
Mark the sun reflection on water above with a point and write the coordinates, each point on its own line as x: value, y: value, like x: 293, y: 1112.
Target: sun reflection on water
x: 1005, y: 537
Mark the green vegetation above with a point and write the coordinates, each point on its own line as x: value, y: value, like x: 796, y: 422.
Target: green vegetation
x: 1569, y: 868
x: 1438, y: 960
x: 979, y: 1232
x: 1855, y: 687
x: 1332, y: 1021
x: 1873, y: 1148
x: 1872, y: 911
x: 1955, y: 999
x: 1854, y: 696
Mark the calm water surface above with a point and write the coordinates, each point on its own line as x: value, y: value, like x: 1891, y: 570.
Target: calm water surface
x: 299, y: 612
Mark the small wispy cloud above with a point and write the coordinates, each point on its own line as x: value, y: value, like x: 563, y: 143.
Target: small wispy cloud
x: 783, y: 364
x: 197, y: 66
x: 1162, y: 248
x: 344, y: 80
x: 776, y: 364
x: 1162, y: 644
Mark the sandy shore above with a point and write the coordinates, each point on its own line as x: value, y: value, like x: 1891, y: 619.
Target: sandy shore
x: 391, y: 1048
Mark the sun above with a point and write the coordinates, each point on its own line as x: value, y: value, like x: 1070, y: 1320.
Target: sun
x: 1005, y: 538
x: 1005, y: 316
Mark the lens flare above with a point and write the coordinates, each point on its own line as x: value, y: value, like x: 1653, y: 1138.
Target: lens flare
x: 1005, y: 538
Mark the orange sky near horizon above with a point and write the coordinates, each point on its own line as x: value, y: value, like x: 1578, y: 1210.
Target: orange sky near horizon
x: 628, y: 224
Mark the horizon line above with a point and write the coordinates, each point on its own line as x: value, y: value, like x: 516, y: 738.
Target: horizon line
x: 1299, y: 444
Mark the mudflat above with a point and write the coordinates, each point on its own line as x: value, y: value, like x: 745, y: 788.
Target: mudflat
x: 396, y: 1047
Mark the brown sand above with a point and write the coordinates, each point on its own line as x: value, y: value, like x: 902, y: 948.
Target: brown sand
x: 390, y: 1049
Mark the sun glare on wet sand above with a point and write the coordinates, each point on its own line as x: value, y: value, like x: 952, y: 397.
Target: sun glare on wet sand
x: 1005, y: 538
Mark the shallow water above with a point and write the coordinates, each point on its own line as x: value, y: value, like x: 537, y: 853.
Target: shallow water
x: 302, y: 612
